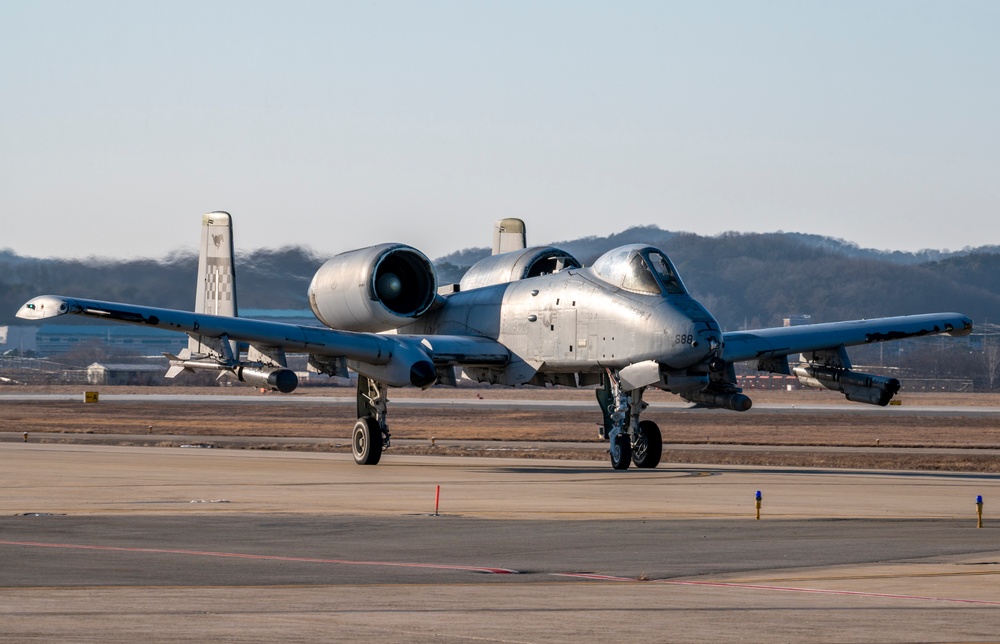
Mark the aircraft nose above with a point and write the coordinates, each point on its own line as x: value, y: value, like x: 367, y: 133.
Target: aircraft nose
x: 710, y: 340
x: 694, y: 345
x: 703, y: 344
x: 692, y: 335
x: 706, y: 344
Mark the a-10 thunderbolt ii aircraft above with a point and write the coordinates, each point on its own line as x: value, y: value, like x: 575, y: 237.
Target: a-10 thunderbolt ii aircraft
x: 523, y: 316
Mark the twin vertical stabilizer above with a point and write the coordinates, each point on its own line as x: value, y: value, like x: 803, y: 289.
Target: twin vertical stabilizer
x: 508, y: 235
x: 216, y: 271
x: 216, y: 292
x: 265, y: 365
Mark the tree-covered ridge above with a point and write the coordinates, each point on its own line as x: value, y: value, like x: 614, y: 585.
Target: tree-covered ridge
x: 745, y: 279
x: 757, y: 279
x: 266, y: 278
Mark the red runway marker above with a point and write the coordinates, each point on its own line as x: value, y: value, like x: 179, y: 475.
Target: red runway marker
x: 237, y: 555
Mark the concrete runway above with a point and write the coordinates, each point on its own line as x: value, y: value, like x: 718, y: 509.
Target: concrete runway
x: 162, y: 544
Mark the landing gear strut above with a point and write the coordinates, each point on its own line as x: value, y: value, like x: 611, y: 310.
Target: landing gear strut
x: 631, y: 439
x: 370, y: 435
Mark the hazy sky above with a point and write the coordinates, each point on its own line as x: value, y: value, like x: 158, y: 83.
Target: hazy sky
x: 343, y: 124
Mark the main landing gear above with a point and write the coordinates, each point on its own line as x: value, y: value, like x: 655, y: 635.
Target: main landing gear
x: 370, y: 435
x: 632, y: 440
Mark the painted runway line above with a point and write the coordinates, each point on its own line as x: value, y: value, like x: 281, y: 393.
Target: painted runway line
x: 237, y: 555
x: 505, y: 571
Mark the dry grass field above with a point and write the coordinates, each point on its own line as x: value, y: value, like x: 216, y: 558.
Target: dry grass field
x: 694, y: 435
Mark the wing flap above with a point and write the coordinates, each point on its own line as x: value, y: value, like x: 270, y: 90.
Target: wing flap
x: 368, y: 348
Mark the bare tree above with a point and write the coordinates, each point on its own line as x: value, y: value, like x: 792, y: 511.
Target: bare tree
x: 991, y: 360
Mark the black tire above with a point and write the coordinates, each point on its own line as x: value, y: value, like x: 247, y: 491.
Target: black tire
x: 648, y: 448
x: 366, y: 442
x: 621, y: 452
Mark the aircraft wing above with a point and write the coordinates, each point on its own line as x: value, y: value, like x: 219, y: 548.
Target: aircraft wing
x: 777, y: 342
x: 397, y: 360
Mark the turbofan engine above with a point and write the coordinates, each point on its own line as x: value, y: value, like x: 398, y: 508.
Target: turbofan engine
x: 373, y: 289
x: 517, y: 265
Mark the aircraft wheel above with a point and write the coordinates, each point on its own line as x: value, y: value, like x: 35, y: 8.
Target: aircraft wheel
x: 648, y: 446
x: 621, y: 452
x: 366, y: 442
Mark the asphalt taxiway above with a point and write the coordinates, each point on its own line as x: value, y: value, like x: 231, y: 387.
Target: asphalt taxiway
x: 122, y: 543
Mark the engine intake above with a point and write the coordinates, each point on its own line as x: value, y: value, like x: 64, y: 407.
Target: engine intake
x: 373, y: 289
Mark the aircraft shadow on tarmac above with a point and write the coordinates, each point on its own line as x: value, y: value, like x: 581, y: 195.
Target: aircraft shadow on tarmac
x: 675, y: 472
x: 605, y: 472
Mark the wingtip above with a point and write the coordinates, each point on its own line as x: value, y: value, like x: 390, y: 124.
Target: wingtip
x: 42, y: 307
x: 962, y: 327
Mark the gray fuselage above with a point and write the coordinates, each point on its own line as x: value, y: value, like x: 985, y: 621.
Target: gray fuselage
x: 573, y: 321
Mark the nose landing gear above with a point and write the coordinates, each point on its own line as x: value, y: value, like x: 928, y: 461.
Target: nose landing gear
x: 647, y: 445
x: 632, y: 440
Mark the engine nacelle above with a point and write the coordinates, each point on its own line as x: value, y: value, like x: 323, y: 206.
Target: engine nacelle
x: 409, y: 365
x: 517, y: 265
x: 373, y: 289
x: 857, y: 387
x: 273, y: 378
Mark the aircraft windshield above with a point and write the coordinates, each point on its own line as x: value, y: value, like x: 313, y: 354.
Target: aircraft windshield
x: 640, y: 269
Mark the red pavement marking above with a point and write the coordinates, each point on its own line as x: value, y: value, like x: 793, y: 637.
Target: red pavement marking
x: 237, y: 555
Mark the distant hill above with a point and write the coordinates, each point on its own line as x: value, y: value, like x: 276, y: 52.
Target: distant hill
x: 451, y: 267
x: 745, y: 279
x: 851, y: 249
x: 757, y: 279
x: 271, y: 279
x: 655, y: 236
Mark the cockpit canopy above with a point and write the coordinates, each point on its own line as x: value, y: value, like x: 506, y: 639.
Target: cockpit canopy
x: 640, y: 269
